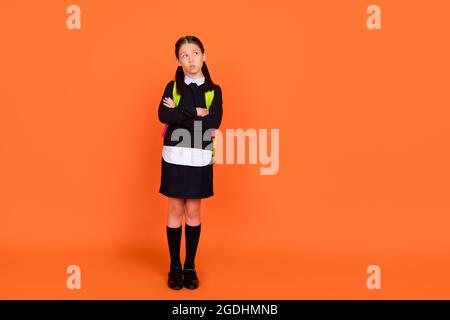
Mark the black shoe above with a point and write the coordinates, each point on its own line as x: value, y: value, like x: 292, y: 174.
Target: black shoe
x: 175, y: 280
x: 190, y: 279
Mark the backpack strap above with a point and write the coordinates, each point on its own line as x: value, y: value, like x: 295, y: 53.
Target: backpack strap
x: 176, y: 97
x: 209, y: 96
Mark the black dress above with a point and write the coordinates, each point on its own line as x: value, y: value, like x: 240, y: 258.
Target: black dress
x: 187, y: 165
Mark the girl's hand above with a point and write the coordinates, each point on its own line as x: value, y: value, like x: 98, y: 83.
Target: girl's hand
x: 201, y: 112
x: 168, y: 102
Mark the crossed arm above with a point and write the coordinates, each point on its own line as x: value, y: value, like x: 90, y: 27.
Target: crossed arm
x: 211, y: 118
x: 168, y: 114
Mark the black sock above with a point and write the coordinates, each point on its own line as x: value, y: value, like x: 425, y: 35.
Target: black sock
x: 192, y: 238
x: 174, y: 240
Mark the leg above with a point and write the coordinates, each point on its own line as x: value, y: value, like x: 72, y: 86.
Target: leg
x: 193, y: 211
x: 175, y: 212
x: 192, y: 229
x: 174, y: 219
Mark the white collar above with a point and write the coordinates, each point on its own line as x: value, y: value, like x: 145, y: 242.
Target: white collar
x: 199, y: 81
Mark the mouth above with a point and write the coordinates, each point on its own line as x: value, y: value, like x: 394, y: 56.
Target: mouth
x: 192, y: 66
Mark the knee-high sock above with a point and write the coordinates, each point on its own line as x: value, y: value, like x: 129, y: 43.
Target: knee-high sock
x: 174, y: 240
x: 192, y: 234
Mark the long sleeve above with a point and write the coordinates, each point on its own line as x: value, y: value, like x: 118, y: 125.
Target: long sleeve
x: 214, y: 117
x: 173, y: 115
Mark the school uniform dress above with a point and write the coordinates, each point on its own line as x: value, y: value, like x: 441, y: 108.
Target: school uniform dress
x: 187, y: 160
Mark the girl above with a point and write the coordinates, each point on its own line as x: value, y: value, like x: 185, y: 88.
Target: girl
x: 187, y: 166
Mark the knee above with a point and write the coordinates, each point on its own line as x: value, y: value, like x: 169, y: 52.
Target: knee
x: 192, y: 212
x: 176, y: 209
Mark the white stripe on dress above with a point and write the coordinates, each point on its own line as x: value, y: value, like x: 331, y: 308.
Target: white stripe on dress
x: 187, y: 156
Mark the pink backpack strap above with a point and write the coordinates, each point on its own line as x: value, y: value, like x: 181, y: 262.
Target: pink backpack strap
x: 163, y: 133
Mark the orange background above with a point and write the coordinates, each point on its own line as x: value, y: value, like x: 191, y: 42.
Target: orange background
x: 363, y: 179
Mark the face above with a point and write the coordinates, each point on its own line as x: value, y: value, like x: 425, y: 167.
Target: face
x: 191, y: 58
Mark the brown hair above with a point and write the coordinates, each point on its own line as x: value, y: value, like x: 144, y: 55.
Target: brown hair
x: 179, y: 74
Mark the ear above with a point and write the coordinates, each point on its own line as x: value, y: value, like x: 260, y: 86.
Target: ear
x: 204, y: 56
x: 178, y: 62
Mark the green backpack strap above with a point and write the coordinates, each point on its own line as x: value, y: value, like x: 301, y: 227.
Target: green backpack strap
x: 175, y: 95
x: 209, y: 96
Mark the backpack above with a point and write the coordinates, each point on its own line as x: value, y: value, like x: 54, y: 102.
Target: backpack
x: 209, y: 96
